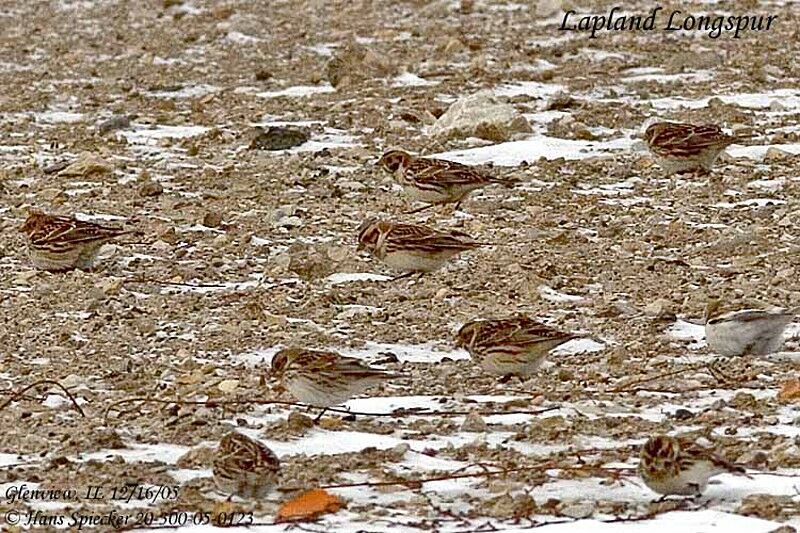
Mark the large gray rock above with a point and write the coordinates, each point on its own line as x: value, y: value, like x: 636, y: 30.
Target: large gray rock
x: 480, y: 115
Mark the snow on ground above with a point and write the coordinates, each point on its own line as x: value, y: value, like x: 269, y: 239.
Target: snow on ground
x: 531, y: 149
x: 574, y: 414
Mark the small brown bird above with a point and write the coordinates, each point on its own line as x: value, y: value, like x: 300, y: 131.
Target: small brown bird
x: 670, y: 466
x: 411, y: 247
x: 507, y: 347
x: 436, y: 181
x: 324, y: 379
x: 59, y: 243
x: 744, y: 331
x: 681, y: 147
x: 245, y: 467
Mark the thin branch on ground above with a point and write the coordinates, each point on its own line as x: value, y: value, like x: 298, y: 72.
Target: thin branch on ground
x: 397, y: 413
x: 19, y: 394
x: 629, y: 386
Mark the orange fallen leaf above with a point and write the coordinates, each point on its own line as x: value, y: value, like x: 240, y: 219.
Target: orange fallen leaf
x: 790, y: 391
x: 309, y: 506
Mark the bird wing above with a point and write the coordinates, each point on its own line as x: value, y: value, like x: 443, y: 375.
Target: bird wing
x: 698, y: 453
x: 442, y: 172
x: 751, y: 315
x: 527, y: 331
x: 356, y: 368
x: 428, y: 239
x: 68, y: 231
x: 676, y: 139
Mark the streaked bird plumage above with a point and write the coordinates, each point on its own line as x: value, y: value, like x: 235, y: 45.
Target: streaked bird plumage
x: 412, y: 247
x: 323, y: 378
x: 436, y: 181
x: 744, y: 331
x: 669, y: 465
x: 512, y: 346
x: 244, y: 466
x: 681, y: 147
x: 59, y: 243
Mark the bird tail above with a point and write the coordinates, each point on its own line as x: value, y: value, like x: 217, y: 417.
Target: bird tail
x: 506, y: 181
x: 741, y: 135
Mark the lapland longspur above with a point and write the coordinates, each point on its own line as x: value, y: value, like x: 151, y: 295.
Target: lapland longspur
x: 324, y: 379
x: 436, y: 181
x: 411, y: 247
x: 245, y: 467
x: 681, y: 147
x: 513, y: 346
x: 746, y: 331
x: 59, y: 243
x: 668, y: 465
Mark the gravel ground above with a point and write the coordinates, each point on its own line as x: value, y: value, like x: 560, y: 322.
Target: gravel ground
x: 238, y: 244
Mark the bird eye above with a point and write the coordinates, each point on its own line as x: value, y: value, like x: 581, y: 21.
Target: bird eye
x: 278, y: 362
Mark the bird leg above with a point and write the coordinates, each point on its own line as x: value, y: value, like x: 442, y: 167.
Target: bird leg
x: 350, y: 417
x: 402, y: 276
x: 407, y: 274
x: 417, y: 210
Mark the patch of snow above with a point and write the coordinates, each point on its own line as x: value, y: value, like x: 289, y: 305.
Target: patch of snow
x: 140, y: 453
x: 687, y: 331
x: 515, y: 152
x: 323, y: 49
x: 412, y: 353
x: 58, y: 117
x: 298, y: 91
x: 697, y: 76
x: 235, y: 37
x: 701, y: 521
x: 407, y: 79
x: 190, y: 91
x: 768, y: 185
x: 151, y: 135
x: 330, y: 138
x: 789, y: 99
x: 529, y: 88
x: 98, y: 217
x: 552, y: 295
x: 758, y: 151
x: 349, y: 277
x: 609, y: 189
x: 576, y: 346
x: 752, y: 203
x: 537, y: 66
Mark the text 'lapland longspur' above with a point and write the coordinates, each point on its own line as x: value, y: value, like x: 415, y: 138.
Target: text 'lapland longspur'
x: 745, y: 331
x: 244, y: 467
x: 324, y: 379
x: 507, y: 347
x: 668, y: 465
x: 436, y: 181
x: 681, y: 147
x: 59, y: 243
x: 412, y: 247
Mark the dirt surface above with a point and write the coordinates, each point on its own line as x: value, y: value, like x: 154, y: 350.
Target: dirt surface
x: 238, y: 242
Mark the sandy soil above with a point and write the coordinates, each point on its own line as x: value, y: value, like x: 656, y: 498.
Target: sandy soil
x: 238, y: 245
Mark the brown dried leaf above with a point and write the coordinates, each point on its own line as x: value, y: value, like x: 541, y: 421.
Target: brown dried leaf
x: 309, y: 506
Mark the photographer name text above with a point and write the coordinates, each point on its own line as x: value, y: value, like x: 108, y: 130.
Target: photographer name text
x: 128, y: 493
x: 713, y: 25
